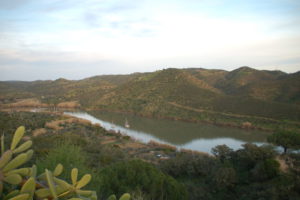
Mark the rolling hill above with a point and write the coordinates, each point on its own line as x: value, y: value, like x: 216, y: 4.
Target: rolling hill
x: 194, y: 94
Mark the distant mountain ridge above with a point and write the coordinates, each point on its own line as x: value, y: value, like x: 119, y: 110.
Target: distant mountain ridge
x: 175, y: 93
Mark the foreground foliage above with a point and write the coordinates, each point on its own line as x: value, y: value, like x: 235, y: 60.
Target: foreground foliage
x: 24, y: 183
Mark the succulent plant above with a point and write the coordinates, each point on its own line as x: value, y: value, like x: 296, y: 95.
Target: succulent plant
x: 125, y: 196
x: 13, y: 158
x: 60, y: 189
x: 24, y: 184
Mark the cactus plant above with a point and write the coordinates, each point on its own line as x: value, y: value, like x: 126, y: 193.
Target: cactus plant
x: 12, y: 159
x: 125, y: 196
x: 23, y: 183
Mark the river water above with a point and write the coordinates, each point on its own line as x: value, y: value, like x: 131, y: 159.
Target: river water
x: 193, y: 136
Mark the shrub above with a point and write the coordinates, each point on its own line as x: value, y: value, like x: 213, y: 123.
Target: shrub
x: 136, y: 175
x: 68, y: 155
x: 265, y: 170
x: 248, y: 157
x: 189, y: 165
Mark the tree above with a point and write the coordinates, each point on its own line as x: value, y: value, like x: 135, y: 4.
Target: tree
x: 251, y: 155
x: 223, y: 152
x: 225, y: 177
x: 285, y: 139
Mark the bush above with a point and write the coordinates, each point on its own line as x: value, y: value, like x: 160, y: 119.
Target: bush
x: 189, y: 165
x: 265, y: 170
x: 248, y: 157
x: 68, y: 155
x: 138, y: 176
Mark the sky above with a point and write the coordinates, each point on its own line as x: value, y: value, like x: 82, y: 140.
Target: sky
x: 75, y: 39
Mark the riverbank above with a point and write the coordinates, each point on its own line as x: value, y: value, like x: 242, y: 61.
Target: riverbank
x: 246, y: 125
x: 193, y: 136
x: 56, y: 124
x: 173, y: 111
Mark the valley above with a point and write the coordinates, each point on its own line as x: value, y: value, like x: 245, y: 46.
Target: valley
x: 244, y: 98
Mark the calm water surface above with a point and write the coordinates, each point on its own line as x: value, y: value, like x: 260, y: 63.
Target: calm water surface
x: 200, y: 137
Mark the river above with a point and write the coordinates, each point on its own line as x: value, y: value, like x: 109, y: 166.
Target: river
x: 193, y: 136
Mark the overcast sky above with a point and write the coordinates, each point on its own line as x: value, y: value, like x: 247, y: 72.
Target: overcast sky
x: 74, y: 39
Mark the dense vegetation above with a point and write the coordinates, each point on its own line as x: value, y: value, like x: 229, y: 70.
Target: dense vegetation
x: 261, y: 99
x: 138, y: 176
x: 251, y: 172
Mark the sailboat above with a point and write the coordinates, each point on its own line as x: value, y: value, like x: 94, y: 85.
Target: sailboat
x: 127, y: 124
x: 113, y: 125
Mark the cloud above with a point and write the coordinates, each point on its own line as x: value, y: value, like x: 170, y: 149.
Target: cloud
x: 13, y: 4
x: 287, y: 26
x: 119, y: 17
x: 53, y: 65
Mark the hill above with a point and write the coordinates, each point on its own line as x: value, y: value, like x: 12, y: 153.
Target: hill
x: 149, y: 92
x: 192, y: 95
x: 216, y: 96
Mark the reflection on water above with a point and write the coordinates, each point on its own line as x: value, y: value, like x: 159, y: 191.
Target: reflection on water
x: 200, y: 137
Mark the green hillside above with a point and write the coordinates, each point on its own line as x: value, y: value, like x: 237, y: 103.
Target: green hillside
x: 264, y: 85
x: 216, y: 96
x: 178, y: 94
x: 149, y: 92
